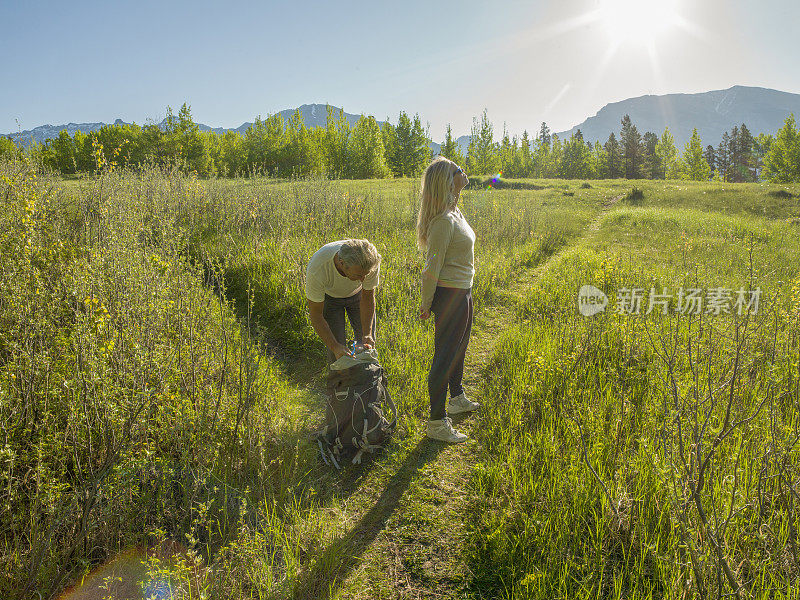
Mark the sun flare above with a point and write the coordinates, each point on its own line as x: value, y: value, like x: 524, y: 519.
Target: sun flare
x: 639, y: 21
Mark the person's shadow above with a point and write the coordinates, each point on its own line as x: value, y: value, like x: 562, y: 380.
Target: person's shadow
x: 331, y: 568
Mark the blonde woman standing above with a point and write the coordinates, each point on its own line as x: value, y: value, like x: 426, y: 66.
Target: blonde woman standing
x: 448, y: 240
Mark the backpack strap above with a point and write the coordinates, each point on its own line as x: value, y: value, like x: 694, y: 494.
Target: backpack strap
x: 365, y: 446
x: 326, y: 453
x: 393, y: 422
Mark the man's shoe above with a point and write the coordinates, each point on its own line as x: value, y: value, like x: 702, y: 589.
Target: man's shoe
x: 461, y: 404
x: 443, y: 431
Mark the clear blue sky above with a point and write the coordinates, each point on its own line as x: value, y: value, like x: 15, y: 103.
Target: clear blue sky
x: 525, y: 62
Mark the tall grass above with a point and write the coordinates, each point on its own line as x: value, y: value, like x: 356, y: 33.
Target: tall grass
x: 646, y: 456
x: 158, y: 380
x: 127, y: 389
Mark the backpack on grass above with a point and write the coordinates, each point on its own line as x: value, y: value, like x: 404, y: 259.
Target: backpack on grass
x: 355, y: 423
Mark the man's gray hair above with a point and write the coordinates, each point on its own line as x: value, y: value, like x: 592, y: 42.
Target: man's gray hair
x: 360, y: 253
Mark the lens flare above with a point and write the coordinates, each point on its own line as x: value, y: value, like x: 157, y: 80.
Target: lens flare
x: 639, y: 21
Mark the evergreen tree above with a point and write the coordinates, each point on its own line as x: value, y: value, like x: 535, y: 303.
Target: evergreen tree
x: 544, y: 134
x: 745, y: 168
x: 613, y: 151
x: 711, y: 157
x: 630, y: 139
x: 505, y: 154
x: 724, y: 157
x: 651, y: 168
x: 526, y: 156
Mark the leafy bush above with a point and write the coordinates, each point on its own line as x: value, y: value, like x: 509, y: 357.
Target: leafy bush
x: 124, y: 385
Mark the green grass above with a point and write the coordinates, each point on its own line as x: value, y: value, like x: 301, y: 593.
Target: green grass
x: 623, y: 384
x: 570, y: 487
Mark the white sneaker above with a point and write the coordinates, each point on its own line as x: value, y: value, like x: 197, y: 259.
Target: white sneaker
x: 461, y: 404
x: 443, y: 431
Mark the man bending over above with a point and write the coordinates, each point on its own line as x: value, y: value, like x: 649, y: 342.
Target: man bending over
x: 341, y: 279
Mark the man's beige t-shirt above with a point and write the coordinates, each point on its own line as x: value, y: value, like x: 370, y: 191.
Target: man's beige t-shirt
x: 322, y: 277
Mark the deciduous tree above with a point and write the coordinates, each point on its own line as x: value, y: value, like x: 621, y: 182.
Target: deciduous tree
x: 482, y: 150
x: 782, y: 160
x: 694, y: 164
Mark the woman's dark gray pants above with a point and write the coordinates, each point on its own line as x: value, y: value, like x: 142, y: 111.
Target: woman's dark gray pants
x: 452, y: 308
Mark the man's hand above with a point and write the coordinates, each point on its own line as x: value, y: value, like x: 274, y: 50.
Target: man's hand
x: 424, y: 313
x: 340, y: 350
x: 367, y: 341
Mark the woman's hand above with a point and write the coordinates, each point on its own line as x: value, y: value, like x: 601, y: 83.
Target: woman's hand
x: 367, y: 341
x: 424, y: 313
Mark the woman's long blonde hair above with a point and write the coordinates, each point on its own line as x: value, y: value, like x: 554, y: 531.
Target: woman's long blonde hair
x: 436, y: 196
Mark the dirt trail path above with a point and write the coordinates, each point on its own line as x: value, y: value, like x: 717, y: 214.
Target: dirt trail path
x: 406, y: 527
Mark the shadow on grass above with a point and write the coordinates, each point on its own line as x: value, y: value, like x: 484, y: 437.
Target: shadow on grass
x: 277, y: 327
x: 330, y: 569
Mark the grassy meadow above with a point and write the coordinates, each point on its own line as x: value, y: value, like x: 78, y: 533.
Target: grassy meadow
x: 159, y: 380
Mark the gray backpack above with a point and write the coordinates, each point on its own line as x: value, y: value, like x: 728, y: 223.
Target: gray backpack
x: 357, y: 395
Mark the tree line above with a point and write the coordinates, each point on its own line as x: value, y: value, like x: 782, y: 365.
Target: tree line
x: 739, y: 157
x: 269, y: 146
x: 279, y: 148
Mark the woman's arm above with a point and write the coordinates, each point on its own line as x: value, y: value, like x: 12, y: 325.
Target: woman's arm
x: 439, y: 235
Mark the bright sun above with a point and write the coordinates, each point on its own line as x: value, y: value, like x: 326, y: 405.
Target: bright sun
x: 639, y: 21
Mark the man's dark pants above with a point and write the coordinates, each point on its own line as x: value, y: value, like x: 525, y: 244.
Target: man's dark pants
x: 334, y: 311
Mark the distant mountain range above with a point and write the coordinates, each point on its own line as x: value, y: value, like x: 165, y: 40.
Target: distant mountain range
x: 763, y: 110
x: 713, y: 113
x: 314, y: 115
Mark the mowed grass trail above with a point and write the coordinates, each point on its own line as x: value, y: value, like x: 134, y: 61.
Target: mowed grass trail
x: 421, y: 551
